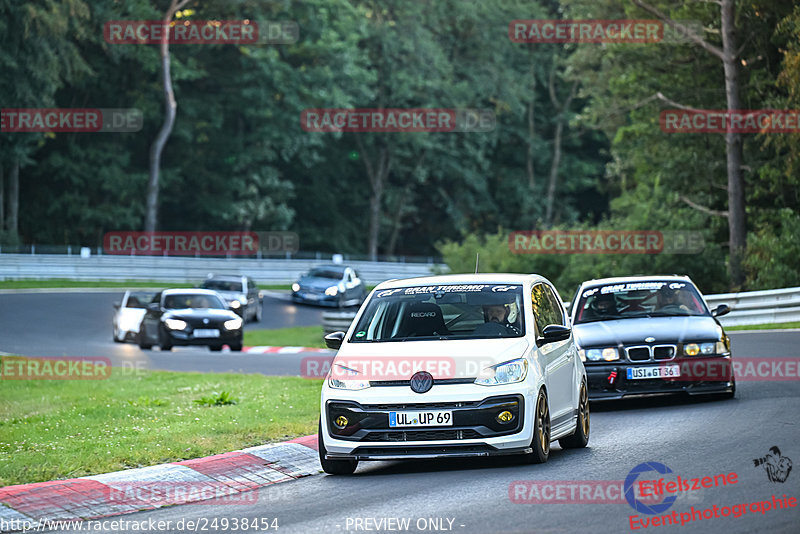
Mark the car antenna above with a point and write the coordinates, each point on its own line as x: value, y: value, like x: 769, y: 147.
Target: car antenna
x: 477, y: 256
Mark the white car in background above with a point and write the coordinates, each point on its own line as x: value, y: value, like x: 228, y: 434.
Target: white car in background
x: 453, y: 366
x: 128, y: 315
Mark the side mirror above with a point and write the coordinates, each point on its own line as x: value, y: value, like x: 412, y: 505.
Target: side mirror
x: 154, y: 307
x: 553, y: 333
x: 721, y: 310
x: 117, y: 305
x: 334, y: 340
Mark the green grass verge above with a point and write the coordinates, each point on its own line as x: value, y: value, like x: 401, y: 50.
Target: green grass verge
x: 299, y: 336
x: 58, y: 283
x: 53, y: 429
x: 767, y: 326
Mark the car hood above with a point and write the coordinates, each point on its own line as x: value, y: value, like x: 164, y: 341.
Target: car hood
x: 313, y: 282
x: 634, y: 331
x: 231, y: 295
x: 442, y: 358
x: 206, y: 313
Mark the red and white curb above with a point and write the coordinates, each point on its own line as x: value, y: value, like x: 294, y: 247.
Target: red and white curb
x: 220, y: 477
x: 284, y: 350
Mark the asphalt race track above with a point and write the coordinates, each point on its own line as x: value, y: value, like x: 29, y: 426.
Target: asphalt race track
x: 694, y: 438
x: 79, y: 324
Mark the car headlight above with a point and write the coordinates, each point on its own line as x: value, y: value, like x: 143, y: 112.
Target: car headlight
x: 504, y: 373
x: 233, y: 324
x: 705, y: 349
x: 608, y: 354
x: 332, y: 291
x: 175, y: 324
x: 295, y: 287
x: 235, y: 304
x: 343, y: 379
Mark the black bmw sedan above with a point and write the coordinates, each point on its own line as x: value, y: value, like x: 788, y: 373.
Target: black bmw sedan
x: 190, y: 317
x: 650, y: 335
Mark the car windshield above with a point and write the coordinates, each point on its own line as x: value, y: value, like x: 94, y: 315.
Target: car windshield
x: 639, y: 299
x: 188, y: 300
x: 138, y: 300
x: 326, y: 273
x: 223, y: 285
x: 470, y: 311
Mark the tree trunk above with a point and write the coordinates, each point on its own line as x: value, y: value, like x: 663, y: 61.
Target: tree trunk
x: 737, y: 231
x: 377, y: 173
x: 397, y: 219
x: 2, y: 201
x: 531, y: 131
x: 562, y: 109
x: 12, y: 224
x: 170, y: 110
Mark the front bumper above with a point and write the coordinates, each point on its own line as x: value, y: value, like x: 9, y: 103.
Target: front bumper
x: 699, y: 376
x: 226, y: 337
x: 310, y: 297
x: 475, y: 430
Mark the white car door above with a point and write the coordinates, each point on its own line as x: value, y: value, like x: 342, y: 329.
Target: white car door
x: 558, y: 358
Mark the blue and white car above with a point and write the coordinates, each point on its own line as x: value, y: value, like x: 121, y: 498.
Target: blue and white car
x: 454, y: 366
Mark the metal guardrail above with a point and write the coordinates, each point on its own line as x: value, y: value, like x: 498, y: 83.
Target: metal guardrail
x: 747, y: 308
x: 183, y: 270
x: 337, y: 321
x: 758, y: 307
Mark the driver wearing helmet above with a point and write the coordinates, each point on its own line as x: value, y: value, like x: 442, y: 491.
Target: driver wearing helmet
x: 603, y: 305
x: 670, y: 298
x: 495, y: 317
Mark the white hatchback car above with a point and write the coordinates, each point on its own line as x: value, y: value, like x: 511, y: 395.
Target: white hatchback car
x: 454, y: 366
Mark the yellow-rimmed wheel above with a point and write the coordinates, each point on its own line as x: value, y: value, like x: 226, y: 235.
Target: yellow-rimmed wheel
x: 581, y: 436
x: 541, y: 431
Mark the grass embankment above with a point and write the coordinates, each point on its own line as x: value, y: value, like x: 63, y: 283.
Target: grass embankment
x: 767, y: 326
x: 53, y: 429
x: 298, y: 336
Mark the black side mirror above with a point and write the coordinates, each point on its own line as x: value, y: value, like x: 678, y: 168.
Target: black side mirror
x: 117, y: 305
x: 721, y: 310
x: 154, y: 307
x: 334, y: 340
x: 553, y: 333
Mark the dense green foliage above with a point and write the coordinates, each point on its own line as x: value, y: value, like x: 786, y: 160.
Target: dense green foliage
x: 239, y: 159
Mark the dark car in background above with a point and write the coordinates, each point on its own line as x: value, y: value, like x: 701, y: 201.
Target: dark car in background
x: 330, y: 285
x: 650, y: 335
x: 180, y: 317
x: 240, y: 293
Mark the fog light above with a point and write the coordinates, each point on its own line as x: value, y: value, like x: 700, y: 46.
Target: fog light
x: 505, y: 417
x: 692, y: 349
x: 341, y: 421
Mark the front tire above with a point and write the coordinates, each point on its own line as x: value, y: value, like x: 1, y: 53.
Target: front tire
x: 541, y: 431
x: 581, y: 436
x: 143, y: 343
x: 163, y: 341
x: 333, y: 467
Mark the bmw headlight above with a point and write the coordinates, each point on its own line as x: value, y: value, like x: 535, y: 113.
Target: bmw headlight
x: 295, y: 287
x: 342, y: 377
x: 332, y: 291
x: 504, y: 373
x: 175, y: 324
x: 233, y: 324
x: 705, y: 349
x: 608, y: 354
